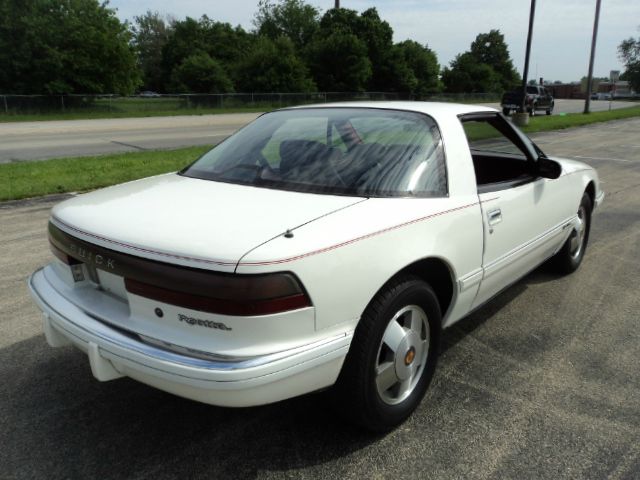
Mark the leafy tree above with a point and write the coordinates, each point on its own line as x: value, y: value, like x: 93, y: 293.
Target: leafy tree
x: 220, y: 41
x: 486, y: 67
x: 290, y: 18
x: 398, y: 75
x: 339, y: 62
x: 378, y: 37
x: 150, y: 34
x: 375, y: 34
x: 629, y: 53
x: 342, y: 20
x: 272, y: 66
x: 491, y: 49
x: 423, y: 63
x: 199, y: 73
x: 467, y: 75
x: 71, y: 46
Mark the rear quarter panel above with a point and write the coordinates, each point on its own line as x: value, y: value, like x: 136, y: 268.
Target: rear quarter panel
x: 345, y: 258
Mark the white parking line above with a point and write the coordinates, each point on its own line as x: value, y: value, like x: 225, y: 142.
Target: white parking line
x: 603, y: 158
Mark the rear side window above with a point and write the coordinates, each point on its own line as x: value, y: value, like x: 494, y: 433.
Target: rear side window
x: 484, y: 136
x: 346, y: 151
x: 500, y: 159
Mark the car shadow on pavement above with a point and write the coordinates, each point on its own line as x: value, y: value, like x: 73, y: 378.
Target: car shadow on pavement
x: 59, y: 422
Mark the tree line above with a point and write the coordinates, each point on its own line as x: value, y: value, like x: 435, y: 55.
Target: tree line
x: 80, y: 46
x: 629, y: 53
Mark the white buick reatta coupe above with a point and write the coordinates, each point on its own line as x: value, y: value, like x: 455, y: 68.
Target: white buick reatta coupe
x: 322, y: 246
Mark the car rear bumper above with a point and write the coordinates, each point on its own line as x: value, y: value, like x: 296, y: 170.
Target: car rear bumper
x: 239, y: 382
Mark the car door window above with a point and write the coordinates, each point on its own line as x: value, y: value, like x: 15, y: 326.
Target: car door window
x: 500, y: 159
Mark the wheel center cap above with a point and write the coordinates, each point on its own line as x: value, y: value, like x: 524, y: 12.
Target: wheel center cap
x: 406, y: 355
x: 410, y: 356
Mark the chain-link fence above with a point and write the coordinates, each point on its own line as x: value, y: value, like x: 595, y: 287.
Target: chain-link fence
x: 152, y: 103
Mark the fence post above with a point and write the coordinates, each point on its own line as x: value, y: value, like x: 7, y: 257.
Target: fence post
x: 6, y: 108
x: 62, y: 101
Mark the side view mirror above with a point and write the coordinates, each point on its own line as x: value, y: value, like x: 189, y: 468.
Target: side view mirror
x: 548, y: 168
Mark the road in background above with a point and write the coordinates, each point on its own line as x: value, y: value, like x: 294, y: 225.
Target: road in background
x: 577, y: 106
x: 73, y: 138
x: 541, y: 383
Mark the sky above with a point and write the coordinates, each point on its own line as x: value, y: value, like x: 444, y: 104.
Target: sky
x: 561, y: 37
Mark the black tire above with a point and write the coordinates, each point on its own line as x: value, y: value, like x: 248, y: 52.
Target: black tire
x: 569, y: 258
x: 549, y: 110
x: 506, y: 111
x: 356, y: 393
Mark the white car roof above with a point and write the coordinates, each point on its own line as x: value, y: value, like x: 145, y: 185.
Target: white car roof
x: 435, y: 109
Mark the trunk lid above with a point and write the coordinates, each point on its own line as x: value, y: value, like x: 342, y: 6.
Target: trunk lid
x: 189, y: 221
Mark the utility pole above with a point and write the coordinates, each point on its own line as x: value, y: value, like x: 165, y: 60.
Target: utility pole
x: 587, y: 101
x: 337, y: 3
x: 527, y: 54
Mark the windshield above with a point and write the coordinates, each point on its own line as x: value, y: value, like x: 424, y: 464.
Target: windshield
x: 345, y: 151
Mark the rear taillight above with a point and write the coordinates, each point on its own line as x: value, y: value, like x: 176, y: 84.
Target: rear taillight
x: 198, y: 289
x: 241, y: 295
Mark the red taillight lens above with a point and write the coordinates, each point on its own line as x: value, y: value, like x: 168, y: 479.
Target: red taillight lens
x: 198, y: 289
x: 244, y: 295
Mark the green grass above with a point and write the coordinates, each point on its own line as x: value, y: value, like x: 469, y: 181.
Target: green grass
x: 32, y: 179
x: 543, y: 123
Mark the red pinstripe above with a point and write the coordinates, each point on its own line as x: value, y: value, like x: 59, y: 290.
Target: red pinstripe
x: 349, y: 242
x: 269, y: 262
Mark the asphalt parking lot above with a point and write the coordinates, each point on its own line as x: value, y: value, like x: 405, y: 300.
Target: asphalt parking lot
x: 542, y: 383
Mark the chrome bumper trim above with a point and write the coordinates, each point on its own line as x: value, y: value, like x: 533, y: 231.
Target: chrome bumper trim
x: 122, y: 341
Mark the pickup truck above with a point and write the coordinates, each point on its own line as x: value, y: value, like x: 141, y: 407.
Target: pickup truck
x: 538, y: 98
x: 318, y: 247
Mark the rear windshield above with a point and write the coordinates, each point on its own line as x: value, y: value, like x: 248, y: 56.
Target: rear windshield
x: 345, y: 151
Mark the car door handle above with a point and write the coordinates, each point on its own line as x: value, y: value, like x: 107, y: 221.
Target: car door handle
x: 494, y: 216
